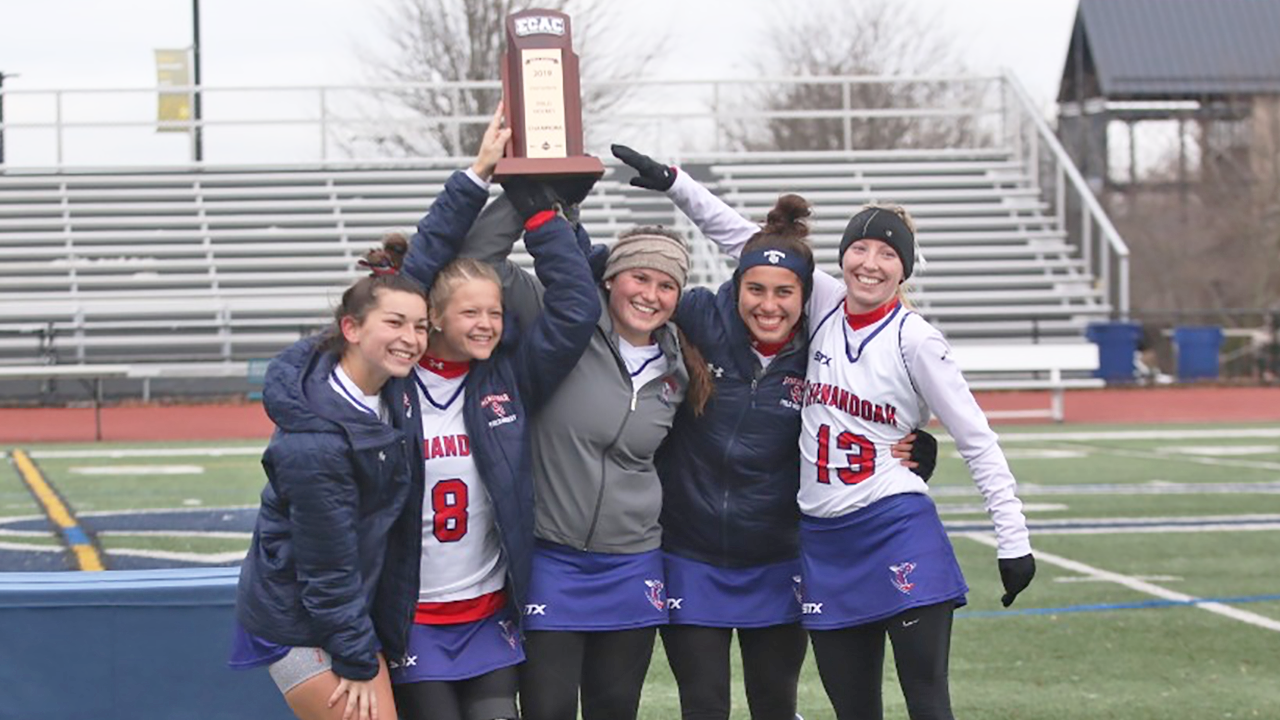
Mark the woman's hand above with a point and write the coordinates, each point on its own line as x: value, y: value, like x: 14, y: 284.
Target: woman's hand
x: 362, y: 702
x: 491, y: 146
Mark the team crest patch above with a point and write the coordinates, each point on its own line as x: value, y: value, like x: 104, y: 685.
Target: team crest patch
x: 508, y: 630
x: 668, y: 389
x: 655, y: 593
x: 900, y: 573
x: 499, y: 406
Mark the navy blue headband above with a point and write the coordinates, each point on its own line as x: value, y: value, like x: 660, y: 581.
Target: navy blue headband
x: 774, y: 257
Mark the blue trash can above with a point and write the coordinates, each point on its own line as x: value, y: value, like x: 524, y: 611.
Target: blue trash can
x: 1198, y: 349
x: 1117, y: 342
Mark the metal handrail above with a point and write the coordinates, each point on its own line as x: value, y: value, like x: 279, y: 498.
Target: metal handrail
x: 1092, y: 211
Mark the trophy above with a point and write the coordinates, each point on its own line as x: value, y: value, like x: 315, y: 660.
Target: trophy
x: 542, y: 99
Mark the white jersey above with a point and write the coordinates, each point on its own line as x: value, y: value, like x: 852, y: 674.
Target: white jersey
x: 461, y: 549
x: 858, y: 402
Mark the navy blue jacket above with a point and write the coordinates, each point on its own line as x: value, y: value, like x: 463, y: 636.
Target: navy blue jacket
x: 505, y: 391
x: 730, y: 476
x: 334, y: 558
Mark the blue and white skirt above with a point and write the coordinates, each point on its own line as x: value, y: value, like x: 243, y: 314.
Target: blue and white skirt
x: 582, y: 591
x: 461, y: 651
x: 876, y: 562
x: 747, y: 597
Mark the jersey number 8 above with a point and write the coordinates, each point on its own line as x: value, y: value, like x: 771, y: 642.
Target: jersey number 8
x: 449, y: 506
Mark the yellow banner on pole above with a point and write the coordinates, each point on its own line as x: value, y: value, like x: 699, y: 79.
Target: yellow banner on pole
x: 173, y: 69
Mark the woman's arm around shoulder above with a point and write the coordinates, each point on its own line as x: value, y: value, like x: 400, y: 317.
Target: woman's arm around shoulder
x: 937, y: 377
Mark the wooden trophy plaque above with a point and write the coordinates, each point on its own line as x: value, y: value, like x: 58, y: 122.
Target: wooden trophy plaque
x: 542, y: 99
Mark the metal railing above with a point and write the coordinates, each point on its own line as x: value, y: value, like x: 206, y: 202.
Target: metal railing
x: 75, y: 129
x: 1075, y: 206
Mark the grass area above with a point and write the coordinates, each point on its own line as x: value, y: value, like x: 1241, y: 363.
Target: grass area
x: 1050, y: 657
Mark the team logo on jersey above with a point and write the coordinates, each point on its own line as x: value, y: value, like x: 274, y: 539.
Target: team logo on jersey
x: 795, y: 389
x: 508, y: 630
x: 498, y: 406
x: 797, y: 587
x: 715, y: 369
x: 654, y: 593
x: 775, y: 256
x: 900, y: 573
x: 668, y: 389
x: 821, y: 359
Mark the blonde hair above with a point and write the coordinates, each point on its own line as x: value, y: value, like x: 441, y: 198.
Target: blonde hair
x: 452, y: 276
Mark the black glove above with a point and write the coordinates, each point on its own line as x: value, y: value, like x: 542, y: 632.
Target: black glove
x: 653, y: 174
x: 924, y: 453
x: 572, y: 189
x: 1016, y: 574
x: 529, y: 196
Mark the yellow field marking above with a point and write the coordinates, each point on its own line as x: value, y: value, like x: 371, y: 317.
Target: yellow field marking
x: 77, y: 540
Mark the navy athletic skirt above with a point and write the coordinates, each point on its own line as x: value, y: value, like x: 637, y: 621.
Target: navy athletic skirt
x: 460, y: 651
x: 583, y: 591
x: 749, y: 597
x: 890, y: 556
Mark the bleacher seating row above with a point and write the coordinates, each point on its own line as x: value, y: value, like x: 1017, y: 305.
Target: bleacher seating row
x: 231, y: 264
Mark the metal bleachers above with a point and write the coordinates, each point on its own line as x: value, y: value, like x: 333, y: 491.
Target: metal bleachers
x: 232, y: 264
x: 196, y: 265
x: 999, y: 263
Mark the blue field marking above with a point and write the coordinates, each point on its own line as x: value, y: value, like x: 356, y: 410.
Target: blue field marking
x: 1104, y: 607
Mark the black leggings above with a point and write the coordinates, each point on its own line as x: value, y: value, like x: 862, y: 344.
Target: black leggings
x: 487, y: 697
x: 608, y: 666
x: 851, y: 663
x: 771, y: 660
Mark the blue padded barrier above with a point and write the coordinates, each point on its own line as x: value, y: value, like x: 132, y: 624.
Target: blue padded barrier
x: 120, y: 645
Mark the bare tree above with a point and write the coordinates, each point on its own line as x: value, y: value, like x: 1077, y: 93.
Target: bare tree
x: 872, y: 38
x: 438, y: 41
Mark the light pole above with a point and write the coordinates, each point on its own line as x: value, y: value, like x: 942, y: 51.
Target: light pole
x: 2, y: 77
x: 195, y: 62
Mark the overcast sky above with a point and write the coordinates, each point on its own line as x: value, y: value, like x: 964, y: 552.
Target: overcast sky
x: 103, y: 44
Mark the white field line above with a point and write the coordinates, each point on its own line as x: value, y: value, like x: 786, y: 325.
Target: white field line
x: 146, y: 452
x: 1180, y: 457
x: 224, y: 534
x: 1179, y: 434
x: 160, y: 511
x: 23, y: 547
x: 27, y: 533
x: 1154, y: 487
x: 1141, y: 586
x: 214, y: 558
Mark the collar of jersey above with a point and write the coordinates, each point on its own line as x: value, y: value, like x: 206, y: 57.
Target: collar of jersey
x: 447, y: 369
x: 857, y: 321
x: 771, y: 349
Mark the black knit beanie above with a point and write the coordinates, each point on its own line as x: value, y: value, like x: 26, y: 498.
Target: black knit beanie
x: 884, y: 225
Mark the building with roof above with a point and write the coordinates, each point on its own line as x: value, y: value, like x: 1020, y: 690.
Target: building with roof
x: 1209, y: 67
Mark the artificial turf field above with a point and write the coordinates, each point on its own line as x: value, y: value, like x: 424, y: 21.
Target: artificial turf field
x: 1157, y: 596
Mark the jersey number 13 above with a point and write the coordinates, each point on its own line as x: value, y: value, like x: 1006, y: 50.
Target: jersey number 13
x: 858, y: 466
